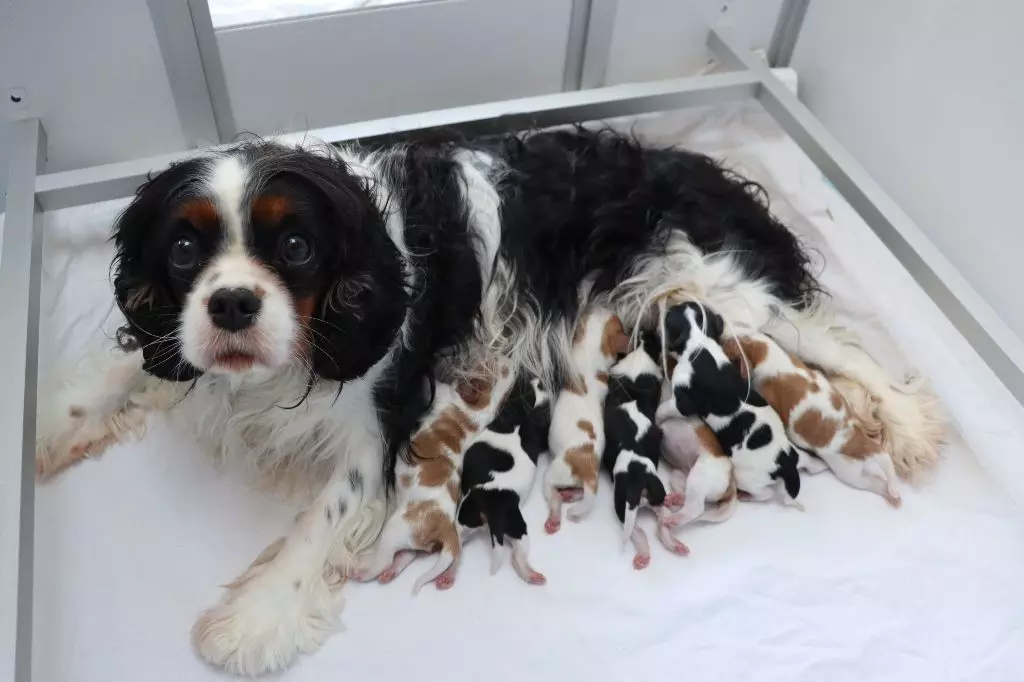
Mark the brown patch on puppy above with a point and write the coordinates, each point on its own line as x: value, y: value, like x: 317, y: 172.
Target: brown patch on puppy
x: 444, y: 436
x: 784, y: 393
x: 201, y: 213
x: 436, y: 471
x: 739, y: 347
x: 270, y: 209
x: 405, y: 480
x: 816, y: 429
x: 433, y: 529
x: 614, y: 341
x: 476, y: 392
x: 859, y: 446
x: 708, y: 440
x: 602, y: 377
x: 587, y: 427
x: 836, y: 399
x: 582, y: 461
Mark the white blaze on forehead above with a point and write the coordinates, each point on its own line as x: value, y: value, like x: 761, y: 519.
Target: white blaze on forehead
x: 227, y: 183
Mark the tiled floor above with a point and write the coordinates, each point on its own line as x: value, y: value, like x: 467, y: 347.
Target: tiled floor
x: 234, y: 12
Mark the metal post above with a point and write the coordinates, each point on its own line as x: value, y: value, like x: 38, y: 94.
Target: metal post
x: 598, y: 45
x: 787, y: 30
x: 192, y: 61
x: 576, y: 47
x: 20, y: 256
x: 997, y: 345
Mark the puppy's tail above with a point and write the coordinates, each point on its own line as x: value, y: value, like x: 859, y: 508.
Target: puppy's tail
x: 449, y: 554
x: 725, y: 507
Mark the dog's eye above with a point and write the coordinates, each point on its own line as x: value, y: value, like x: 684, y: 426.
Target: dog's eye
x: 184, y: 253
x: 295, y: 250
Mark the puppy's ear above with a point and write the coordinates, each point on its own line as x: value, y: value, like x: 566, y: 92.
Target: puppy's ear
x: 141, y: 285
x: 677, y: 328
x: 715, y: 324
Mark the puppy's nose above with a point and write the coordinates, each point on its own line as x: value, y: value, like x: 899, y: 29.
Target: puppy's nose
x: 233, y: 309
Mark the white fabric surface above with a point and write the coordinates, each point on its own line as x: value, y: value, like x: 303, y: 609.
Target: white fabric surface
x: 131, y: 547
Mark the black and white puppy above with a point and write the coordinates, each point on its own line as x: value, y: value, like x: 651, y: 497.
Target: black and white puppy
x: 705, y: 384
x: 498, y: 471
x: 632, y: 450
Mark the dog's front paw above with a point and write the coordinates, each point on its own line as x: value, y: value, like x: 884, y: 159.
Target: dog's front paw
x: 79, y: 432
x: 268, y: 617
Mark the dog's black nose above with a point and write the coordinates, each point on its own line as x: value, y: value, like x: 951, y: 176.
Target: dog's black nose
x: 233, y: 309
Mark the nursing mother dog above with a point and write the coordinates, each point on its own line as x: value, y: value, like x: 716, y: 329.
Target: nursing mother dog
x: 293, y: 305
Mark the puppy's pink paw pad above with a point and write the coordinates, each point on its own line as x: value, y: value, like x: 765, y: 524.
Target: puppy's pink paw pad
x: 674, y: 500
x: 552, y: 525
x: 445, y: 582
x: 641, y: 561
x: 678, y: 548
x: 386, y: 577
x: 536, y: 578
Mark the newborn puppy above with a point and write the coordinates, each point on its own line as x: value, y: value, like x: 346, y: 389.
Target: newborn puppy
x: 706, y: 385
x: 633, y: 449
x: 577, y: 432
x: 428, y: 485
x: 498, y: 472
x: 816, y: 416
x: 709, y: 485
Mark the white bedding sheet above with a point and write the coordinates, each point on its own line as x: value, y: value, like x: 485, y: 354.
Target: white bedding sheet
x: 129, y: 548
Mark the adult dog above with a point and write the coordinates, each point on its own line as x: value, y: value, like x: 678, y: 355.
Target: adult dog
x: 295, y: 303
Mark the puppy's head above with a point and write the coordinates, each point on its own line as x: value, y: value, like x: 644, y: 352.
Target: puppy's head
x: 255, y: 259
x: 686, y: 319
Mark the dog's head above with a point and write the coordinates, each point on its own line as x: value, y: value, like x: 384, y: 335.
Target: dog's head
x: 685, y: 320
x: 254, y: 259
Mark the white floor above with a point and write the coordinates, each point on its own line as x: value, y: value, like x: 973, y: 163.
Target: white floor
x: 227, y: 13
x: 131, y: 547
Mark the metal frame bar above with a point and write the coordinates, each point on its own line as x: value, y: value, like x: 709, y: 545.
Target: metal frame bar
x: 20, y: 272
x: 184, y: 32
x: 998, y: 346
x: 20, y: 259
x: 787, y: 30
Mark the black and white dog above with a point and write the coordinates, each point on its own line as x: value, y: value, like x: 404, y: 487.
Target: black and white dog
x: 632, y: 448
x: 498, y: 472
x: 706, y: 384
x: 339, y: 281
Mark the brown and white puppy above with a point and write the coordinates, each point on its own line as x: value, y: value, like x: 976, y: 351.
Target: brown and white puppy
x: 817, y: 418
x: 576, y: 440
x: 704, y: 473
x: 428, y: 485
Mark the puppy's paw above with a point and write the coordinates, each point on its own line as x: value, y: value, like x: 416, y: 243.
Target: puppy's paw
x: 267, y: 618
x: 552, y: 525
x: 641, y: 561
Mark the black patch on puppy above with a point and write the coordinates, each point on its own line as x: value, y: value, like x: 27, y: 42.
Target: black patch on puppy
x: 761, y: 436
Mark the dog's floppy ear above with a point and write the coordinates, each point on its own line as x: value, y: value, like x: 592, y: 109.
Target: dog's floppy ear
x: 361, y: 303
x: 141, y: 284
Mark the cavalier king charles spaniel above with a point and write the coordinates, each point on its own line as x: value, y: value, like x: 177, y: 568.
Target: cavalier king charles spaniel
x: 297, y: 303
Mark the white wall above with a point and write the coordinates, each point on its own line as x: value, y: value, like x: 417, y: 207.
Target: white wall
x: 94, y: 75
x: 929, y: 96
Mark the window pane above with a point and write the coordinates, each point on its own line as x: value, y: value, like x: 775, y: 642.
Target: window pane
x: 234, y: 12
